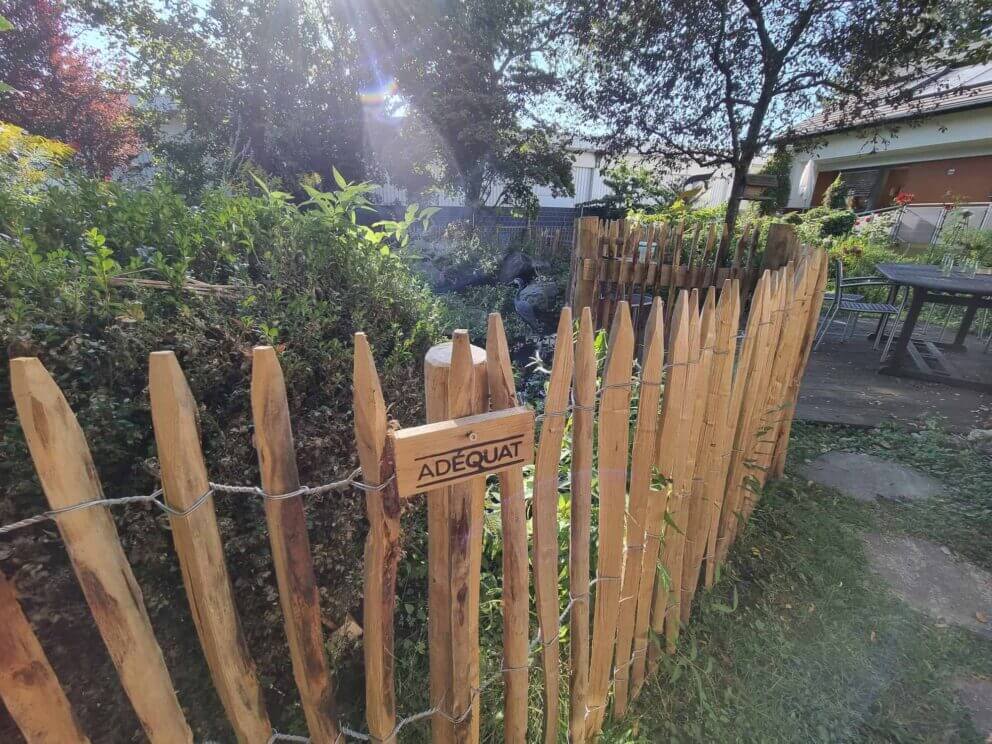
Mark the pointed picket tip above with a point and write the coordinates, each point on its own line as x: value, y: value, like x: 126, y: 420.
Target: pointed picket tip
x: 369, y: 410
x: 564, y: 356
x: 460, y: 385
x: 654, y: 332
x: 51, y: 430
x: 619, y: 355
x: 585, y: 320
x: 565, y: 321
x: 499, y: 369
x: 680, y: 328
x: 164, y: 370
x: 268, y: 386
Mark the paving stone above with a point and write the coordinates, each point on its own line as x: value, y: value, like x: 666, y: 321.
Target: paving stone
x: 975, y: 694
x: 933, y: 581
x: 867, y: 478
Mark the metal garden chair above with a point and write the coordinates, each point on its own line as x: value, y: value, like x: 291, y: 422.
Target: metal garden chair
x: 855, y: 306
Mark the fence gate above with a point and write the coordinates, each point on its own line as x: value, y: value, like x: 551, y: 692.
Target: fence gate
x: 713, y: 409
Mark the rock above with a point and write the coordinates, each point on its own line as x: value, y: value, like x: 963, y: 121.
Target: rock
x: 980, y: 435
x: 515, y: 265
x: 975, y: 694
x: 866, y: 478
x: 942, y: 587
x: 536, y: 304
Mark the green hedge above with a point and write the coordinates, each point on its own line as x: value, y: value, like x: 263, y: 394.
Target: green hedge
x: 307, y: 278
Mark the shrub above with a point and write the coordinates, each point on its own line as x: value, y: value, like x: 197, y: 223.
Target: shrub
x: 780, y: 166
x: 860, y: 255
x: 304, y: 278
x: 835, y: 197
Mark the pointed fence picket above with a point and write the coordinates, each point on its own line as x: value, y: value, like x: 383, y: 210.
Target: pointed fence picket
x: 711, y: 409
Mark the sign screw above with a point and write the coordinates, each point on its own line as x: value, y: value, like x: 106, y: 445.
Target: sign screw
x: 472, y: 436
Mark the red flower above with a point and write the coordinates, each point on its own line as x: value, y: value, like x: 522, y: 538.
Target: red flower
x: 903, y: 198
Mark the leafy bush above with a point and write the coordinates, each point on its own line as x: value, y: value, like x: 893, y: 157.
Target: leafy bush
x: 876, y: 227
x: 780, y: 166
x: 835, y: 197
x: 823, y: 222
x: 305, y: 278
x: 860, y: 255
x: 957, y: 236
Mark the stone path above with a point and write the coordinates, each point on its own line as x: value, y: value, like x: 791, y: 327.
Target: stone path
x: 927, y: 576
x: 975, y: 694
x: 867, y: 478
x: 933, y: 581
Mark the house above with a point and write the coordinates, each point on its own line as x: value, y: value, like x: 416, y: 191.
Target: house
x: 936, y: 146
x: 588, y: 165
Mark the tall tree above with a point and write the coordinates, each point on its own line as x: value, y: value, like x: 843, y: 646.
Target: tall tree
x: 274, y: 81
x: 471, y: 72
x: 58, y: 91
x: 714, y: 81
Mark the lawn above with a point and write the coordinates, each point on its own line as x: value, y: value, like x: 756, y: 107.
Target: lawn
x: 801, y: 642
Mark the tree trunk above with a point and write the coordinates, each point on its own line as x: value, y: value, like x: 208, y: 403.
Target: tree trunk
x: 737, y: 191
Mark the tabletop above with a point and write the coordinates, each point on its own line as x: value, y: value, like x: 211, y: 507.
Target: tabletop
x: 931, y: 278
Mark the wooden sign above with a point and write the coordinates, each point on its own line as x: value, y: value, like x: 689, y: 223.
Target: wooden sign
x: 448, y: 452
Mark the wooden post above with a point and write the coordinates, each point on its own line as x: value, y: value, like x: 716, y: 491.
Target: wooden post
x: 641, y: 467
x: 726, y: 422
x: 28, y: 684
x: 780, y: 247
x: 465, y: 513
x: 818, y: 264
x: 437, y: 374
x: 382, y: 546
x: 707, y: 394
x: 198, y: 546
x: 68, y: 477
x: 666, y: 607
x: 673, y: 429
x: 581, y: 519
x: 545, y: 509
x: 748, y: 395
x: 290, y: 545
x: 585, y: 284
x: 614, y: 435
x: 513, y: 514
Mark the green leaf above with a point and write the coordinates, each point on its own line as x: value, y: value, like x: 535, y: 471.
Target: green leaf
x: 338, y: 178
x: 5, y: 25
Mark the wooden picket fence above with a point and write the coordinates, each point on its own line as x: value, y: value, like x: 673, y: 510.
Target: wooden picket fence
x: 618, y: 260
x: 712, y: 424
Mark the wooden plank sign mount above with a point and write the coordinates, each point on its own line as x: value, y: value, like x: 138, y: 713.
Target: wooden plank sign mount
x: 448, y: 452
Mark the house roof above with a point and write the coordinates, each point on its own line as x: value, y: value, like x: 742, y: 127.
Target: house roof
x: 945, y: 90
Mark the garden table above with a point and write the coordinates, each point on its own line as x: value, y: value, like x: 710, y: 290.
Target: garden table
x: 922, y: 359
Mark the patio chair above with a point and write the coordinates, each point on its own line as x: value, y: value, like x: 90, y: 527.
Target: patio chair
x: 855, y: 306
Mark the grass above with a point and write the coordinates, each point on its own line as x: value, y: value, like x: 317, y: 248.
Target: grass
x: 799, y: 641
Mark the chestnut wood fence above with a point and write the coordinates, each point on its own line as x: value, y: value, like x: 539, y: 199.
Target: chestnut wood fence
x: 617, y: 260
x: 712, y: 424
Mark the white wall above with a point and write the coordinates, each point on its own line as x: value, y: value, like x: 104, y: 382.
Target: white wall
x: 962, y: 134
x: 590, y: 185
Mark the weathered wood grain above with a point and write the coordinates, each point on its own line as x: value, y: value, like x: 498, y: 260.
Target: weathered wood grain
x: 201, y: 555
x: 545, y: 510
x: 580, y: 526
x: 513, y: 514
x: 465, y: 515
x: 614, y: 435
x: 641, y: 468
x: 28, y: 684
x: 65, y: 467
x: 382, y: 546
x: 726, y: 422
